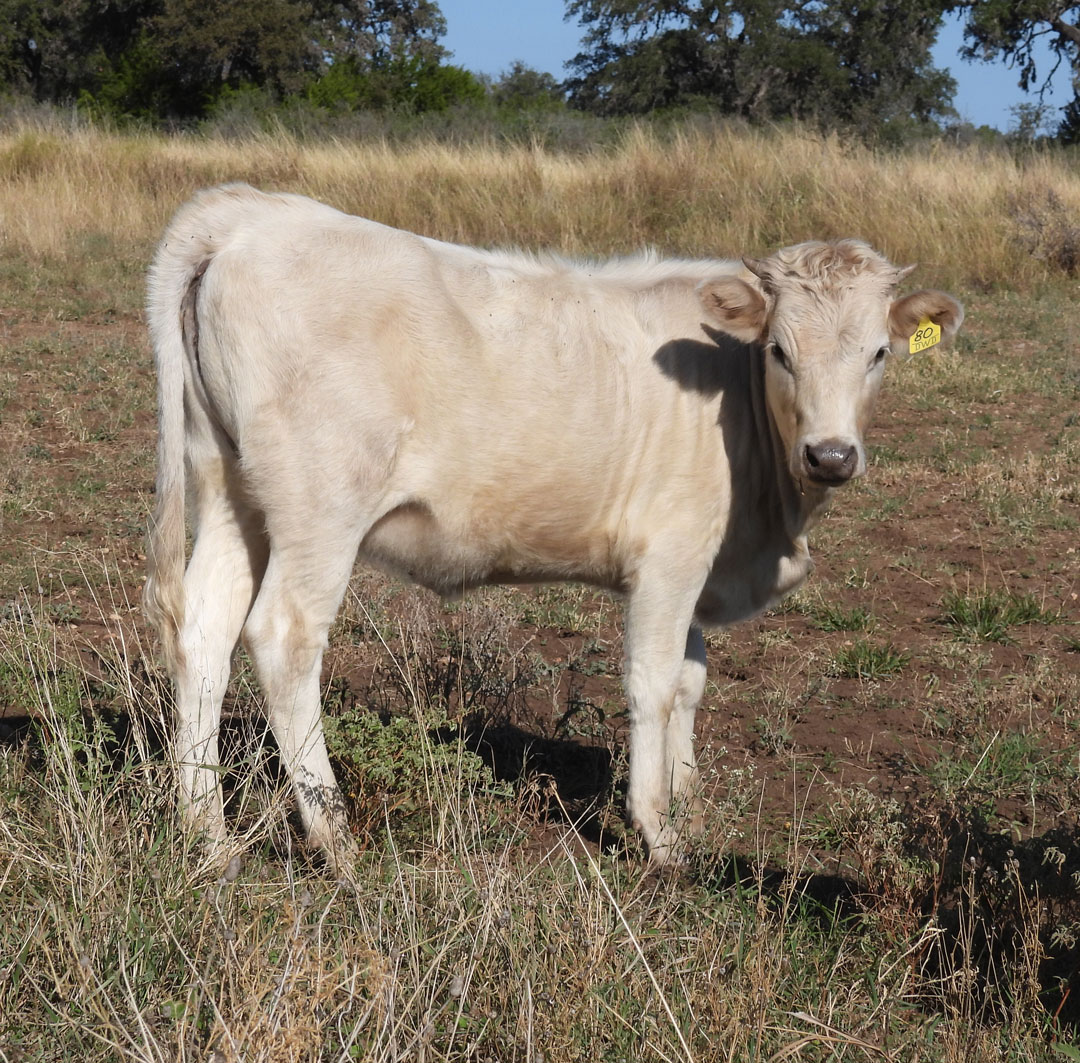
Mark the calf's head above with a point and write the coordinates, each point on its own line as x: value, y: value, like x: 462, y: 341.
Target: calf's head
x: 825, y: 317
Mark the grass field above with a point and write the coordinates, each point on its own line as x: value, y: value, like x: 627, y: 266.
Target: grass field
x: 891, y: 864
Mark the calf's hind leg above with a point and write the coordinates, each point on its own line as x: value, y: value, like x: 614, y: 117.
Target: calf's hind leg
x: 220, y: 583
x: 285, y: 635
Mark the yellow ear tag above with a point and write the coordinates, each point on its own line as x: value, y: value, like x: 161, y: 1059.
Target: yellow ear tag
x: 926, y: 335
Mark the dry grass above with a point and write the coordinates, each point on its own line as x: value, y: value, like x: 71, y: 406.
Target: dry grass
x: 968, y: 215
x: 463, y: 941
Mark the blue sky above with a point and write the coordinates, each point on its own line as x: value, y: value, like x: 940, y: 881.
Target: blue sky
x: 486, y: 36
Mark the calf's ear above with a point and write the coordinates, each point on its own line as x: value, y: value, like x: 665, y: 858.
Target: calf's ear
x: 923, y: 319
x: 735, y: 308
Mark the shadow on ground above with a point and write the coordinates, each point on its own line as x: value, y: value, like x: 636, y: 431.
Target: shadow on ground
x: 997, y: 920
x: 560, y: 780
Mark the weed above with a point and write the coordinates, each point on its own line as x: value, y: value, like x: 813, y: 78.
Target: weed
x: 799, y: 603
x: 559, y: 608
x: 582, y: 718
x: 400, y: 765
x: 863, y: 659
x: 775, y: 735
x: 987, y: 617
x: 836, y: 618
x: 875, y: 832
x: 592, y: 659
x: 463, y: 668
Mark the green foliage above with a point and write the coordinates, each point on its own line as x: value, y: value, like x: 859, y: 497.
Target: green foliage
x: 836, y: 618
x: 1010, y: 765
x: 401, y: 764
x: 987, y: 617
x: 409, y: 83
x: 136, y: 85
x: 176, y: 58
x: 344, y: 86
x: 1069, y: 130
x: 56, y: 49
x: 858, y: 63
x: 867, y: 660
x: 523, y: 88
x: 435, y: 87
x: 774, y: 734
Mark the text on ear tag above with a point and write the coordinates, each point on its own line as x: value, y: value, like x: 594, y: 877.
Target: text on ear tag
x: 926, y: 335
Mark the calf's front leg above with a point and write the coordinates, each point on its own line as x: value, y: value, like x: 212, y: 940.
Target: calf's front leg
x: 681, y: 762
x: 664, y: 681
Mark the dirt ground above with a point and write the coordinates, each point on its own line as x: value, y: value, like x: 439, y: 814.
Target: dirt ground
x: 992, y: 720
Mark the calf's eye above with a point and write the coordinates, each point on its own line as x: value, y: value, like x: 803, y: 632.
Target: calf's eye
x: 780, y: 355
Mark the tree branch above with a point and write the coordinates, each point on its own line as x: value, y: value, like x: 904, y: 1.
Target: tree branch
x: 1066, y: 30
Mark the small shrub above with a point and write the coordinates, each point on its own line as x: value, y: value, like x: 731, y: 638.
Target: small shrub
x: 401, y: 764
x: 1047, y: 228
x: 877, y: 835
x: 775, y: 734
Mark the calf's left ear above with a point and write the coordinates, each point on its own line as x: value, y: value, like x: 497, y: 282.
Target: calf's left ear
x: 923, y: 319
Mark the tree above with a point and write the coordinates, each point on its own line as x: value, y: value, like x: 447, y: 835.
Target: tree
x: 377, y: 32
x: 206, y: 45
x: 881, y: 61
x: 1009, y: 30
x: 857, y: 62
x: 168, y: 58
x: 52, y: 49
x: 1069, y: 130
x: 383, y: 53
x: 523, y: 88
x: 413, y: 84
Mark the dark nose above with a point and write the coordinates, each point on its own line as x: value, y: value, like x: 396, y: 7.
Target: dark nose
x: 830, y: 462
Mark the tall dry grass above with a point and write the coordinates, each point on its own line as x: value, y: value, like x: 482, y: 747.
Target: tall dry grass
x: 467, y: 939
x: 970, y: 216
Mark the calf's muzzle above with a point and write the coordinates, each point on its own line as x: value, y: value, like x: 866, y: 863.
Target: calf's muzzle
x: 830, y: 462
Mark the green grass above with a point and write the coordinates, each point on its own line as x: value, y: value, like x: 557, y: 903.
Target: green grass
x: 867, y: 660
x: 1010, y: 765
x: 989, y: 616
x: 837, y: 618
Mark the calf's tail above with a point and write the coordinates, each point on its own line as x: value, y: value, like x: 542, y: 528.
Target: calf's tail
x: 185, y: 252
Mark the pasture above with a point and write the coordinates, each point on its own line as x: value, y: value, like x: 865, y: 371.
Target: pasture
x: 891, y: 863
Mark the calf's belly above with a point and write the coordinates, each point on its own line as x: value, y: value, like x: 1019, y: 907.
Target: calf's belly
x: 412, y: 542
